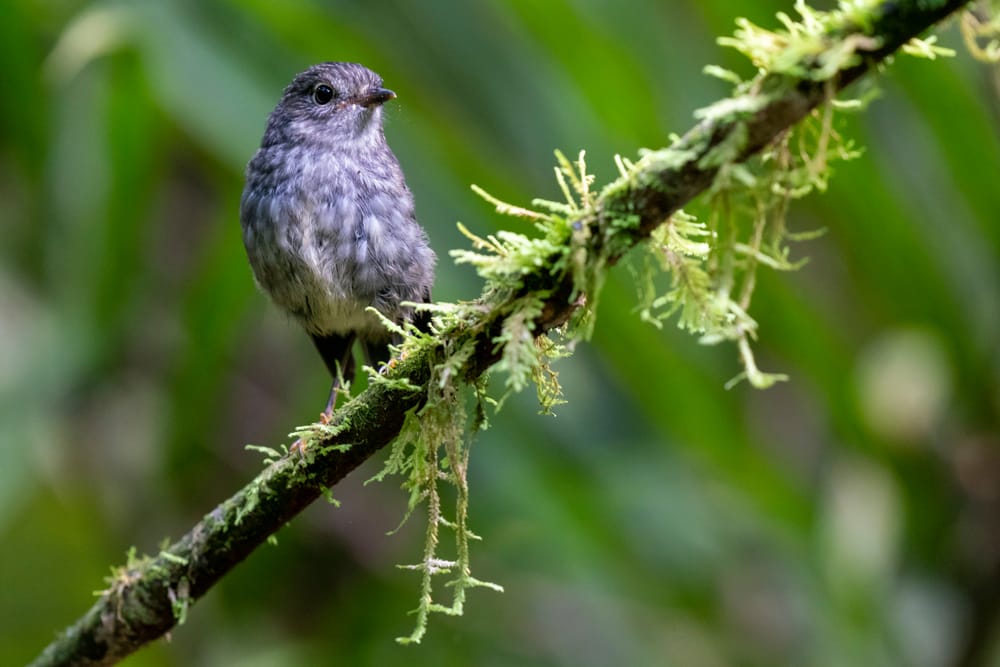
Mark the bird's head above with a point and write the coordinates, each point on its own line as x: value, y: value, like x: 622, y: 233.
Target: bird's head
x: 333, y: 101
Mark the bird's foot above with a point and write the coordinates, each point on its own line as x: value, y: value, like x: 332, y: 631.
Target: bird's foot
x: 392, y: 363
x: 298, y: 447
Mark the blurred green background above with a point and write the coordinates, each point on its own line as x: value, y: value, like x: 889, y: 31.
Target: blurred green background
x: 848, y: 517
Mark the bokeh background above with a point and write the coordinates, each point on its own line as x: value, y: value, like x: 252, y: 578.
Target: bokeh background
x: 850, y: 516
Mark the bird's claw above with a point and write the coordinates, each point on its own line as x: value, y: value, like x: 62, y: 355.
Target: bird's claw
x: 298, y: 447
x: 392, y: 363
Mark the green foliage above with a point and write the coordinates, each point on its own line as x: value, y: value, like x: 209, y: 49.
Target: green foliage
x: 658, y: 519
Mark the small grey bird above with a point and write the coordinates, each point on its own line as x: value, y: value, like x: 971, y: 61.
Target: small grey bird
x: 328, y: 220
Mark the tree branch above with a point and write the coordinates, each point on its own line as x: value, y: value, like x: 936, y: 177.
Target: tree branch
x: 146, y: 599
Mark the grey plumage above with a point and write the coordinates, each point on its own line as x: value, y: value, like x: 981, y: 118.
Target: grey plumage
x: 328, y: 220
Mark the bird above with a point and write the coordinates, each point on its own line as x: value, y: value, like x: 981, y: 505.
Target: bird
x: 328, y: 220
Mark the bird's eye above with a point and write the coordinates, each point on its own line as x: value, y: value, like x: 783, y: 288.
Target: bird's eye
x: 322, y: 94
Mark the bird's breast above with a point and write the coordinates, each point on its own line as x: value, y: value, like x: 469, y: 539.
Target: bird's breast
x: 333, y: 237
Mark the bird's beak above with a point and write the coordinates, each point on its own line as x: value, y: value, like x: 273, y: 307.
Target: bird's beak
x: 374, y: 97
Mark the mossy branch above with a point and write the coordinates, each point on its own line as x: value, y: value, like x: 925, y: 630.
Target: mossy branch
x: 149, y: 596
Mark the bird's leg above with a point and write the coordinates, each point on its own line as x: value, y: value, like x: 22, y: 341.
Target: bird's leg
x: 343, y: 371
x: 331, y: 403
x: 336, y: 352
x: 327, y: 413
